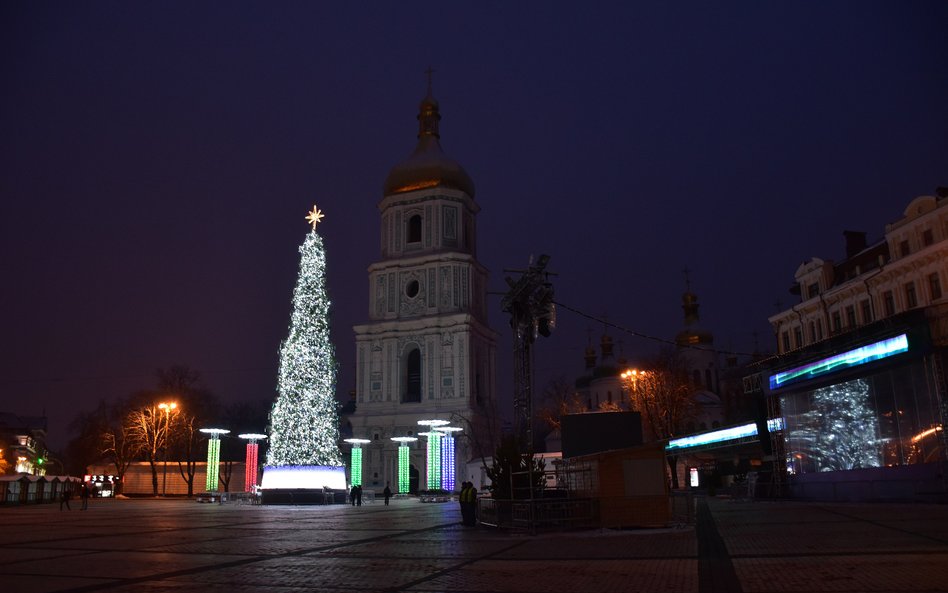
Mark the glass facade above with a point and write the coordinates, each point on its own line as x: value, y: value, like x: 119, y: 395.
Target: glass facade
x: 884, y: 419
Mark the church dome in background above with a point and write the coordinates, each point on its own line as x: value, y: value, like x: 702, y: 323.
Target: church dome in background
x: 428, y: 166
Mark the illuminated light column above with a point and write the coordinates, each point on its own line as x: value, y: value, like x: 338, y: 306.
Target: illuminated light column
x: 355, y: 463
x: 213, y: 456
x: 250, y: 470
x: 434, y: 452
x: 404, y: 481
x: 448, y: 466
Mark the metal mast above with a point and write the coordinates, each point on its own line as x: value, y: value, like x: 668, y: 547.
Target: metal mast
x: 532, y: 312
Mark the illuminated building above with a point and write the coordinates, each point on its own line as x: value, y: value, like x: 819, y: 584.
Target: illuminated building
x: 860, y: 377
x: 426, y: 350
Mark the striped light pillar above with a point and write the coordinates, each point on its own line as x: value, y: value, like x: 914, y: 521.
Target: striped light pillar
x: 213, y: 456
x: 355, y: 460
x: 250, y: 465
x: 404, y: 481
x: 434, y: 452
x: 448, y: 465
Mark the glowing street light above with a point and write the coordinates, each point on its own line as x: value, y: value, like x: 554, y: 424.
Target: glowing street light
x: 355, y: 463
x: 404, y: 482
x: 434, y: 452
x: 213, y: 456
x: 168, y: 407
x: 448, y: 467
x: 250, y: 465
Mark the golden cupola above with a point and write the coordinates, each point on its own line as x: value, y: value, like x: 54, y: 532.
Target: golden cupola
x: 428, y: 166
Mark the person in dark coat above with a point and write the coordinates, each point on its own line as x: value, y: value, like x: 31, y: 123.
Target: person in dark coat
x: 64, y: 497
x: 387, y: 493
x: 358, y: 490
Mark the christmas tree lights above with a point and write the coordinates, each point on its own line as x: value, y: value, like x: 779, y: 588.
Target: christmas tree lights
x: 304, y: 428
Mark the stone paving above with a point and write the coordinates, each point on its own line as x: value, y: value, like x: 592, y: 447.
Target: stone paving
x: 158, y: 545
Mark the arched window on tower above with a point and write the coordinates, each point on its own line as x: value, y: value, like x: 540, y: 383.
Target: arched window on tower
x: 414, y: 229
x: 412, y: 376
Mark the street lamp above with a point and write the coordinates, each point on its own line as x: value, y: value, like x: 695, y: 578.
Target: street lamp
x: 630, y: 382
x: 168, y: 407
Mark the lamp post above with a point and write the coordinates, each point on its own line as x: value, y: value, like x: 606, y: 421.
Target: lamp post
x: 213, y: 456
x: 403, y: 463
x: 434, y: 452
x: 168, y: 407
x: 355, y: 460
x: 250, y: 465
x: 630, y: 383
x: 448, y: 465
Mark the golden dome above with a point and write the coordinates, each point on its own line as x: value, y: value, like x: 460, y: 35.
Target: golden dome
x: 428, y: 166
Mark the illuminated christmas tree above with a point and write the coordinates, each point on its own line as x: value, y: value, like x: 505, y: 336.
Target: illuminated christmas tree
x: 304, y: 428
x: 847, y: 436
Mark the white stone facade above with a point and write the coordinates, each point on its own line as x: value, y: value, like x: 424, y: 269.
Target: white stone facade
x: 907, y: 270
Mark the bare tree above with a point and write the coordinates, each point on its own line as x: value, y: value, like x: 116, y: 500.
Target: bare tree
x: 559, y: 399
x: 664, y: 397
x: 149, y: 430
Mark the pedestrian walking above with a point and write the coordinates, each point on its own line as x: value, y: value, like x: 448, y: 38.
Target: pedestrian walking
x: 359, y: 495
x: 352, y: 494
x: 84, y: 495
x: 387, y: 493
x: 64, y: 497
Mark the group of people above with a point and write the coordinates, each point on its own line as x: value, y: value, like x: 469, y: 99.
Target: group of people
x: 468, y: 501
x: 355, y: 495
x: 85, y: 492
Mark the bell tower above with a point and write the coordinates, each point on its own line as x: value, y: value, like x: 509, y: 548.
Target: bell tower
x: 426, y: 351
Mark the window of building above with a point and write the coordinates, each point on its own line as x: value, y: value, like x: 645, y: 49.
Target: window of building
x: 911, y: 299
x: 414, y: 229
x: 903, y: 248
x: 785, y: 338
x: 866, y: 307
x: 837, y: 321
x: 927, y: 237
x: 934, y: 286
x: 850, y: 316
x: 813, y: 337
x: 888, y: 303
x: 413, y: 376
x: 797, y: 337
x: 819, y: 329
x: 813, y: 290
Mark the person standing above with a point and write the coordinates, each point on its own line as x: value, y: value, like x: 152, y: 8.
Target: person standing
x: 387, y: 493
x: 84, y: 495
x: 353, y: 493
x: 463, y: 501
x: 64, y: 497
x: 359, y: 495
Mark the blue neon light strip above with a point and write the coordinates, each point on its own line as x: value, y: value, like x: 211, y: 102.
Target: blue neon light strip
x: 852, y: 358
x: 725, y: 434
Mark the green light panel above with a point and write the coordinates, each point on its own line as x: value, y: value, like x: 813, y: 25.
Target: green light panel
x: 403, y: 480
x: 355, y: 467
x: 434, y: 461
x: 849, y: 359
x: 213, y: 459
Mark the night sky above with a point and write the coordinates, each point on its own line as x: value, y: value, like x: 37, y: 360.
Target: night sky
x: 158, y: 160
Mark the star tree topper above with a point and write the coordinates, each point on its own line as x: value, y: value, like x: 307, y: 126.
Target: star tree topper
x: 315, y: 217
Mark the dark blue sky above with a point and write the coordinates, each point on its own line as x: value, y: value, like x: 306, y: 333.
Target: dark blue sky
x: 158, y: 160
